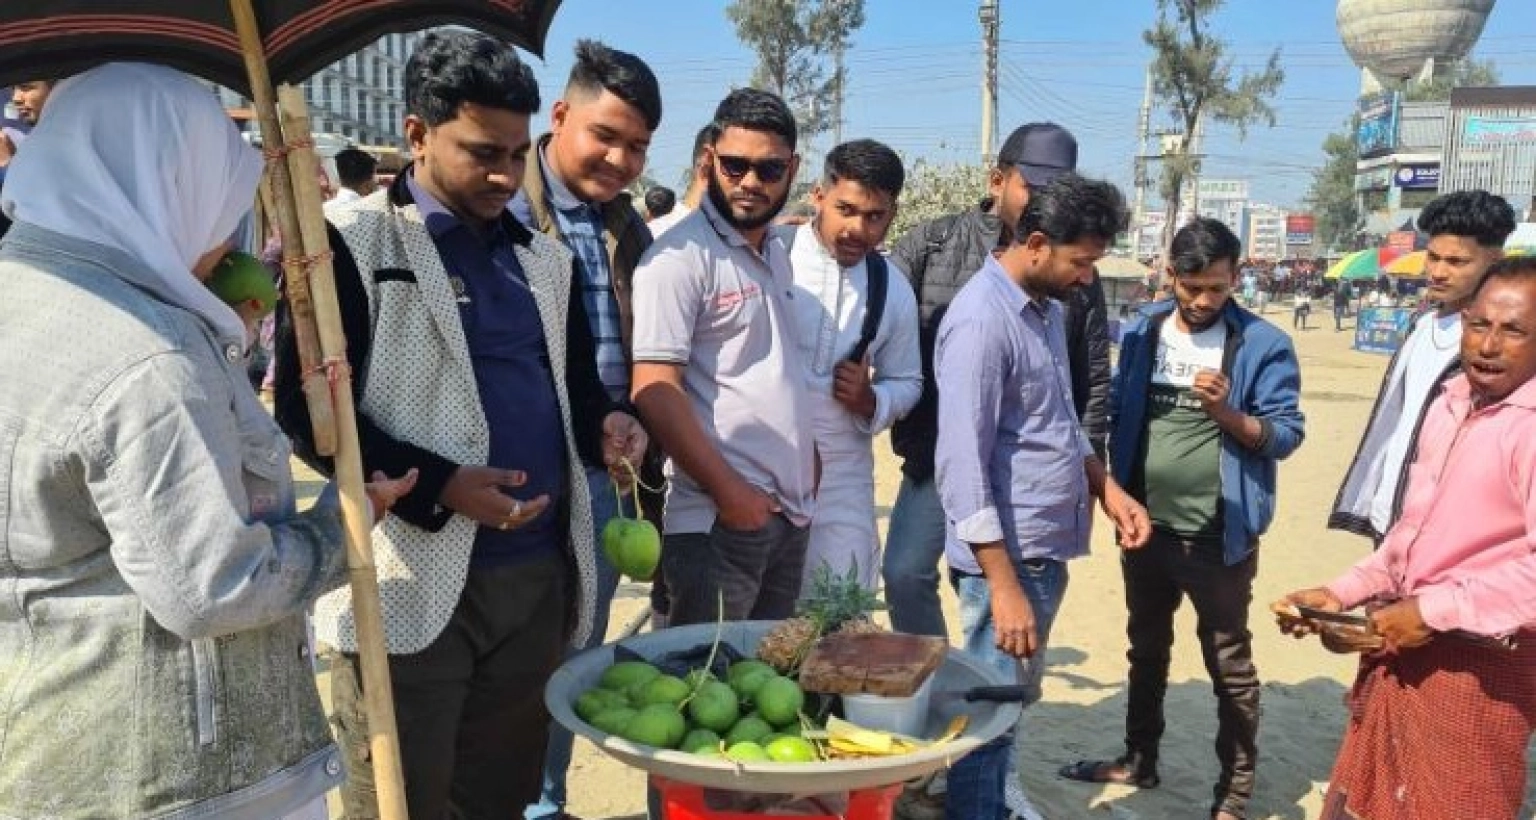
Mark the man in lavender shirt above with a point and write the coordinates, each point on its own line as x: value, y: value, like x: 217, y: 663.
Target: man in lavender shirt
x: 1015, y: 472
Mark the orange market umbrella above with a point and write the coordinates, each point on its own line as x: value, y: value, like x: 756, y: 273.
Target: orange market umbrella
x: 1409, y: 266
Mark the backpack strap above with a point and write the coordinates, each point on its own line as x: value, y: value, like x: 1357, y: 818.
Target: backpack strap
x: 879, y: 282
x: 874, y: 309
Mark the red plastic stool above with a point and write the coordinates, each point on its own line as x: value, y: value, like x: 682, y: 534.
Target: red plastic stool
x: 685, y: 801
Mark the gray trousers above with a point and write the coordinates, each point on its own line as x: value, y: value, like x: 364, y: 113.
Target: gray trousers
x: 757, y: 573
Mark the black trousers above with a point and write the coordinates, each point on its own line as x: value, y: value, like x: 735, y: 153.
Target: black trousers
x: 470, y: 707
x: 1157, y: 579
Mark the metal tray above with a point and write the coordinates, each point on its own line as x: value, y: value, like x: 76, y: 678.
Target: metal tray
x: 957, y: 673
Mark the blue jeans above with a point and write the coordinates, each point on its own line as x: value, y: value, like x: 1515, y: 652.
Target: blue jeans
x: 557, y: 753
x: 977, y: 781
x: 913, y: 546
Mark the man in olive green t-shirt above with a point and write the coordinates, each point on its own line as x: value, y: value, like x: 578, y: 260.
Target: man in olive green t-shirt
x: 1204, y: 403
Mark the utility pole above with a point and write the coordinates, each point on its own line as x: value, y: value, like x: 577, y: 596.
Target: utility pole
x: 1192, y: 147
x: 1139, y: 165
x: 989, y: 28
x: 837, y: 101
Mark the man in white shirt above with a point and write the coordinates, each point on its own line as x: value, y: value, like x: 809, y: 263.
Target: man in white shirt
x: 354, y: 168
x: 849, y: 323
x: 1466, y: 231
x: 698, y: 182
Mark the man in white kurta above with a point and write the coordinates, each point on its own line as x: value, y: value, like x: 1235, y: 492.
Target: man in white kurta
x: 850, y: 406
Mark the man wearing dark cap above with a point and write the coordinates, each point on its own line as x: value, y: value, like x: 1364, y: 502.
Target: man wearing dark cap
x: 940, y: 256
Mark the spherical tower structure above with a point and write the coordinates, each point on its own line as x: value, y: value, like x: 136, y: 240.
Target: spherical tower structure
x: 1399, y: 40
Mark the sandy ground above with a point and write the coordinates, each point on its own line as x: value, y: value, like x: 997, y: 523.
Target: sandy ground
x: 1083, y: 709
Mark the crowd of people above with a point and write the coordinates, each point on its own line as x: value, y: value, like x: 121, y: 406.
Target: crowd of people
x: 525, y: 337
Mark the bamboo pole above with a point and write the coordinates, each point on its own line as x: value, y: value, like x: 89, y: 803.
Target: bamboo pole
x: 298, y: 196
x: 317, y: 393
x: 368, y: 616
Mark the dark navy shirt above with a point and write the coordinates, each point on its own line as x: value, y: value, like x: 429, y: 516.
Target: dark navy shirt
x: 511, y: 364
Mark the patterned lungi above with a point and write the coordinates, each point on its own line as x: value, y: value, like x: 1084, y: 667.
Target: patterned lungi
x: 1437, y: 733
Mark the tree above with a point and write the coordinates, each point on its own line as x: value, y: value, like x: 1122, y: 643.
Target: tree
x: 794, y: 41
x: 1463, y: 73
x: 1332, y: 195
x: 936, y: 190
x: 1192, y: 76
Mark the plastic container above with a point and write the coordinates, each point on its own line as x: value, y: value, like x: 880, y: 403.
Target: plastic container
x: 686, y: 801
x: 904, y: 716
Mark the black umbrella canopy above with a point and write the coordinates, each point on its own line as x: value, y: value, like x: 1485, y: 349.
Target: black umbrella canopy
x: 45, y: 39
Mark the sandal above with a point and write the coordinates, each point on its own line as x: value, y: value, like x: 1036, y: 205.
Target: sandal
x: 1119, y: 771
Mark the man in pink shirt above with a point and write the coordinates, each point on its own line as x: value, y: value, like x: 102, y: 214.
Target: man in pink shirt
x: 1457, y: 569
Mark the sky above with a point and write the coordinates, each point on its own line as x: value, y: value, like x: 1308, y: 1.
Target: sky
x: 915, y: 76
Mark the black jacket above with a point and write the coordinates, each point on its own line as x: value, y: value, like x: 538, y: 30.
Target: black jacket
x: 939, y: 257
x: 590, y: 403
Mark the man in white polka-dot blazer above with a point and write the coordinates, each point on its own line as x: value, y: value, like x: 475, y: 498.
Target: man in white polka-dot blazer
x: 474, y: 365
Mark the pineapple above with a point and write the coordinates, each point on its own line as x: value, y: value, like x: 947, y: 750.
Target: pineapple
x: 834, y: 604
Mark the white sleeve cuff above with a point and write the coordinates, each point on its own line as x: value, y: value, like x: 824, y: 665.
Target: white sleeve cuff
x: 877, y: 423
x: 982, y: 527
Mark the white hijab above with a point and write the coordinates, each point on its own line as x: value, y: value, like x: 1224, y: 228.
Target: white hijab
x: 143, y: 159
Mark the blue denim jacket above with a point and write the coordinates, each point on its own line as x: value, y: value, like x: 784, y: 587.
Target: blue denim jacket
x: 153, y: 573
x: 1265, y: 377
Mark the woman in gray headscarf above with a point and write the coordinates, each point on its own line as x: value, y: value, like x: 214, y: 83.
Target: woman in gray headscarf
x: 153, y: 571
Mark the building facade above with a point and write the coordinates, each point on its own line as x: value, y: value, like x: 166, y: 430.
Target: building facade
x: 1147, y: 238
x: 1264, y: 234
x: 1490, y: 143
x: 1225, y: 200
x: 360, y: 98
x: 1400, y: 145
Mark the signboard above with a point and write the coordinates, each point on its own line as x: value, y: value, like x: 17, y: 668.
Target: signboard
x: 1402, y: 241
x: 1417, y: 177
x: 1484, y: 132
x: 1374, y: 179
x: 1382, y: 330
x: 1378, y: 124
x: 1299, y: 229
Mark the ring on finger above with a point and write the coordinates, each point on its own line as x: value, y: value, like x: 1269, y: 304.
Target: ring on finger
x: 517, y: 509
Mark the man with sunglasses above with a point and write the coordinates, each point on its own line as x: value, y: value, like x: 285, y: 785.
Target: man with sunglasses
x: 718, y: 378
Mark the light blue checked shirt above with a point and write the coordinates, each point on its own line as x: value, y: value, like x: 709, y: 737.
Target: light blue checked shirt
x: 581, y: 226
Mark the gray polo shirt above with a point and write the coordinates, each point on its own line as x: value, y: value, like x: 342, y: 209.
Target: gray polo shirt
x: 705, y: 299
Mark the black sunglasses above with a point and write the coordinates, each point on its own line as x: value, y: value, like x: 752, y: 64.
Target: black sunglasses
x: 767, y: 170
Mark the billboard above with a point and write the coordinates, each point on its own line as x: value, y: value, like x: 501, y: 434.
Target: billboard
x: 1378, y: 124
x: 1402, y: 241
x: 1488, y: 132
x: 1417, y: 176
x: 1299, y: 229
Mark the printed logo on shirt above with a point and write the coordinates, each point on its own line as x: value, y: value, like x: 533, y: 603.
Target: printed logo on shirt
x: 732, y: 298
x: 1180, y: 357
x: 1171, y: 371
